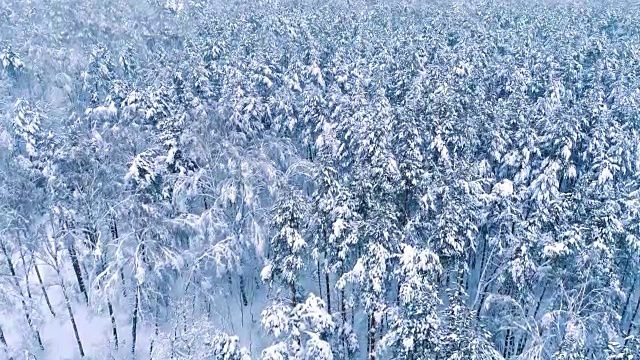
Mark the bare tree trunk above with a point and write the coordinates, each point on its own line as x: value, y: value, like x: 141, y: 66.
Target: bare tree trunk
x: 294, y: 301
x: 633, y: 317
x: 71, y: 317
x: 369, y: 335
x: 124, y: 284
x: 114, y: 327
x: 44, y: 290
x: 626, y: 303
x: 482, y: 261
x: 343, y: 306
x: 372, y: 337
x: 319, y: 278
x: 483, y: 296
x: 353, y: 318
x: 152, y: 340
x: 243, y: 295
x: 114, y: 236
x: 508, y: 337
x: 134, y: 324
x: 76, y: 265
x: 12, y: 271
x: 113, y: 323
x: 156, y: 331
x: 25, y: 267
x: 173, y: 343
x: 3, y: 342
x: 328, y: 290
x: 78, y: 271
x: 523, y: 340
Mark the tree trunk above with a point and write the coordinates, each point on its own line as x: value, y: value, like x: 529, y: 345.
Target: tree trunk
x: 71, y: 317
x: 523, y: 340
x: 114, y: 236
x: 44, y: 290
x: 134, y: 325
x: 508, y: 336
x: 76, y: 269
x: 76, y: 264
x: 343, y: 306
x: 328, y: 290
x: 319, y: 278
x: 368, y: 335
x: 293, y: 295
x: 124, y: 284
x: 12, y: 271
x: 633, y: 317
x: 482, y: 298
x: 467, y: 274
x: 114, y: 328
x: 155, y: 333
x: 629, y: 295
x: 243, y: 295
x: 482, y: 262
x: 372, y: 338
x: 26, y: 269
x: 3, y: 343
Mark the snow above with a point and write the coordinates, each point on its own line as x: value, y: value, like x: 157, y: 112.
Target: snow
x: 503, y: 189
x: 605, y: 176
x: 407, y: 343
x: 338, y: 227
x: 555, y: 249
x: 266, y: 272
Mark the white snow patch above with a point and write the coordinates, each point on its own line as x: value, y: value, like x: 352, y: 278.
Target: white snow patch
x: 503, y: 189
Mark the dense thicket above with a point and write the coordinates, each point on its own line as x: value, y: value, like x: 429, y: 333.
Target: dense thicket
x: 320, y: 180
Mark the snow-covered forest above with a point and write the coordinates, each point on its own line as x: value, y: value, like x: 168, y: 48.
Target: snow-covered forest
x: 310, y: 179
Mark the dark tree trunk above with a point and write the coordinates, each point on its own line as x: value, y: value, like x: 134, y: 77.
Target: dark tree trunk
x: 633, y: 317
x: 44, y: 291
x: 71, y: 317
x: 523, y: 340
x: 124, y: 283
x: 343, y: 306
x: 76, y: 264
x: 372, y: 338
x: 114, y: 328
x: 76, y: 269
x: 293, y: 294
x: 26, y: 269
x: 155, y: 332
x: 319, y: 277
x: 3, y: 343
x: 328, y: 290
x: 483, y: 296
x: 508, y: 336
x: 243, y: 294
x: 134, y: 324
x: 629, y: 295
